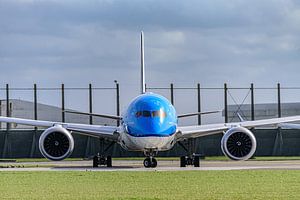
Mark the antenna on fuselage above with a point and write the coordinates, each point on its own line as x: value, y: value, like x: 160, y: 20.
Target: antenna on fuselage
x: 143, y: 85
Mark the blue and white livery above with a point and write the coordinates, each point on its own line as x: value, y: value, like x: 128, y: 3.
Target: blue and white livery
x: 150, y: 122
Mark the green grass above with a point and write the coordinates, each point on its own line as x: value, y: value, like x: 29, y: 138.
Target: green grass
x: 256, y: 184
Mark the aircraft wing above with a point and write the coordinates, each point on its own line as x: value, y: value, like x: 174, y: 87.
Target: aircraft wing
x: 210, y: 129
x: 109, y: 132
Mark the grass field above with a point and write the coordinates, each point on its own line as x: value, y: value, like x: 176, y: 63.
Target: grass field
x: 255, y: 184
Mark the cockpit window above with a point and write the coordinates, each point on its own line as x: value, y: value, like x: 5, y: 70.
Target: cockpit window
x: 159, y: 113
x: 146, y: 113
x: 138, y: 114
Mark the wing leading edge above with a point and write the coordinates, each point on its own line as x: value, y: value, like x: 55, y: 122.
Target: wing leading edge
x: 109, y: 132
x: 210, y: 129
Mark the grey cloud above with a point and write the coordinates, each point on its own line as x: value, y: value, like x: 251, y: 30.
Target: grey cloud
x: 137, y: 14
x: 210, y: 42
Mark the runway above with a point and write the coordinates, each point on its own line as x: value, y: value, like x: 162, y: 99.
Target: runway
x: 137, y: 165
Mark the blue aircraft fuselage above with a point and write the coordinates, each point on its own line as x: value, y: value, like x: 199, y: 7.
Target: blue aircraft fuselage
x: 150, y: 122
x: 150, y: 115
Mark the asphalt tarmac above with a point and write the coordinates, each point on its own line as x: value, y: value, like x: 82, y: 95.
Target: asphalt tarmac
x: 137, y: 165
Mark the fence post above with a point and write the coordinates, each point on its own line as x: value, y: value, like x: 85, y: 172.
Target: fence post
x: 7, y: 107
x: 252, y: 102
x: 5, y: 151
x: 118, y: 101
x: 90, y: 103
x: 35, y: 103
x: 33, y: 142
x: 172, y: 93
x: 199, y: 103
x: 0, y: 112
x: 88, y: 139
x: 63, y: 119
x: 225, y: 103
x: 278, y: 102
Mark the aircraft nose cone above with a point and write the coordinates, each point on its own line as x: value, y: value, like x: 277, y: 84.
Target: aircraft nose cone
x: 153, y: 126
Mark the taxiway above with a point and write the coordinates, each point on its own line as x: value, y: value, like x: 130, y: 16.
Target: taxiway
x: 137, y: 165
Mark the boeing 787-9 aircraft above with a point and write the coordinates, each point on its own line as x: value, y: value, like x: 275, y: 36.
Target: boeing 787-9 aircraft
x: 149, y: 125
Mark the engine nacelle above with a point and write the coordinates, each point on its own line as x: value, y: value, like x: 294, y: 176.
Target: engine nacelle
x: 238, y: 143
x: 56, y: 143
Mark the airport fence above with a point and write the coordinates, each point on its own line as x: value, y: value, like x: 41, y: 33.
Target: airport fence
x: 222, y: 101
x: 192, y: 99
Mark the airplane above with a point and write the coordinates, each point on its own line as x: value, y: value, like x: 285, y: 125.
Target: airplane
x: 149, y: 125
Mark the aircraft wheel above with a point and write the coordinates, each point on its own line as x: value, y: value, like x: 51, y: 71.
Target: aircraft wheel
x: 147, y: 162
x: 108, y: 161
x: 95, y: 161
x: 182, y: 161
x: 196, y: 161
x: 153, y: 163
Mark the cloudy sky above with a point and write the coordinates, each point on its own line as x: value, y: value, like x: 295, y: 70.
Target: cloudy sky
x: 186, y: 42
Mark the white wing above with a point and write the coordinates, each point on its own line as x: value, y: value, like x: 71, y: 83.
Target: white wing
x: 109, y: 132
x: 210, y: 129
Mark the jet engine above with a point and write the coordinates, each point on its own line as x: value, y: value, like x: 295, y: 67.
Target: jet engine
x: 56, y: 143
x: 238, y: 143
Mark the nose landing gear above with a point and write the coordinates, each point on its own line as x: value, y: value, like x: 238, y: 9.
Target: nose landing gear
x: 150, y: 161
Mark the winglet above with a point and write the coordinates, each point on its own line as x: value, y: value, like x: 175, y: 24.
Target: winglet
x: 143, y: 86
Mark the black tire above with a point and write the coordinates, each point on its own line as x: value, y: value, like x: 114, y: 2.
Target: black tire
x: 108, y: 161
x: 182, y: 161
x: 153, y: 163
x: 147, y: 163
x: 196, y: 161
x: 95, y: 161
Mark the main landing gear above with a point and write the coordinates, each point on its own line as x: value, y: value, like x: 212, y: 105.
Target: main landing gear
x: 191, y: 158
x: 100, y: 158
x: 150, y: 161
